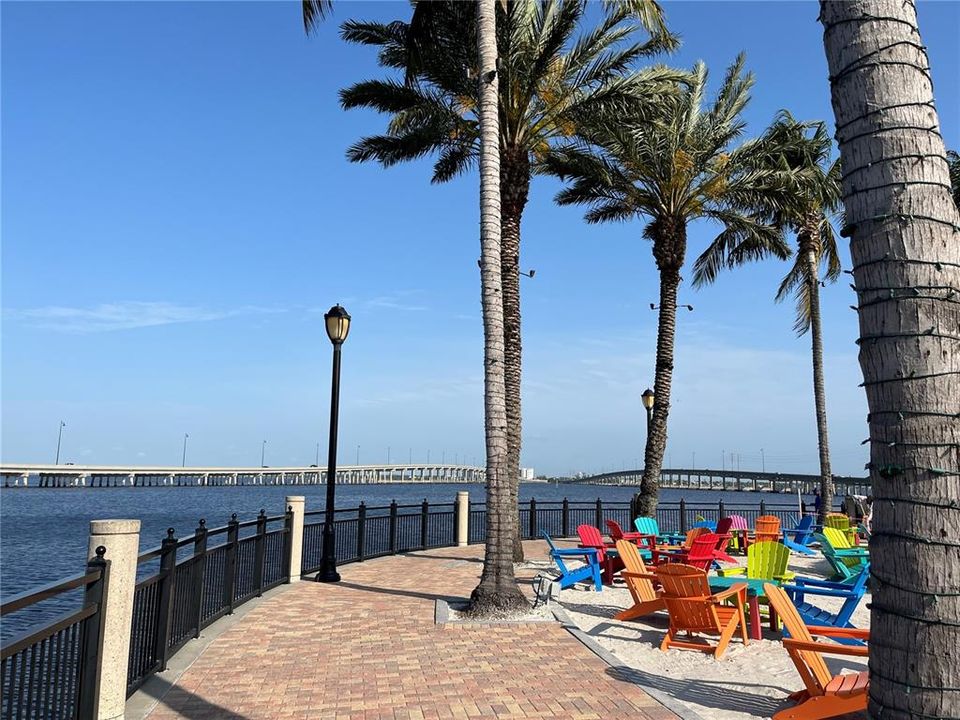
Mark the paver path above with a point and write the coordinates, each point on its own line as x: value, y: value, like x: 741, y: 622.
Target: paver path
x: 368, y: 648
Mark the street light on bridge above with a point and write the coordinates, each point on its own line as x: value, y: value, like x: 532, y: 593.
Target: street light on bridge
x: 338, y: 326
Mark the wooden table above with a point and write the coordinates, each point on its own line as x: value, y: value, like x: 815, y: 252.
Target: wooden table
x: 754, y: 593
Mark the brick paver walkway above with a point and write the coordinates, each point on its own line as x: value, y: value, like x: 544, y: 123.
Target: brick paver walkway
x: 368, y: 648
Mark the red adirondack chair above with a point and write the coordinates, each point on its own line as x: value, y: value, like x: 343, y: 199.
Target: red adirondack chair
x: 611, y: 563
x: 701, y: 554
x: 723, y: 532
x: 617, y: 533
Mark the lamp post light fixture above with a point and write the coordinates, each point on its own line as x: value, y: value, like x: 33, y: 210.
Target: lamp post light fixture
x: 59, y: 438
x: 338, y: 326
x: 183, y: 460
x: 647, y: 398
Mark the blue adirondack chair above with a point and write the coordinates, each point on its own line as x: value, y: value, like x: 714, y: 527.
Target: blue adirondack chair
x: 650, y: 526
x: 801, y: 587
x: 800, y: 537
x: 587, y: 573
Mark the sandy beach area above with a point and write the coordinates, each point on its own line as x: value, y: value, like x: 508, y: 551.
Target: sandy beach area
x: 748, y: 682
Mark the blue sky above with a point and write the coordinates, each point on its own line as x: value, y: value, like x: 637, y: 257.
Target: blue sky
x: 178, y: 214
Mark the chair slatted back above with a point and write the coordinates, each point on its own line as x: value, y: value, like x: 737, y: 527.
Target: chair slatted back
x: 767, y: 528
x: 692, y: 535
x: 837, y: 538
x: 616, y: 532
x: 557, y: 558
x: 647, y: 525
x: 811, y: 666
x: 641, y: 589
x: 703, y: 550
x: 738, y: 522
x: 686, y: 593
x: 767, y: 559
x: 724, y: 525
x: 590, y: 536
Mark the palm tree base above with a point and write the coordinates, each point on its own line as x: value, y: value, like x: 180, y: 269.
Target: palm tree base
x: 496, y: 599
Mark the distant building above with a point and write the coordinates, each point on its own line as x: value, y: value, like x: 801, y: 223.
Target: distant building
x: 526, y: 474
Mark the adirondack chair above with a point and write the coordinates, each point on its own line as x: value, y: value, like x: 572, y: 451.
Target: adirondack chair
x: 649, y: 526
x: 800, y: 536
x: 646, y: 543
x: 647, y: 599
x: 724, y: 544
x: 841, y: 522
x: 694, y: 609
x: 665, y: 553
x: 701, y: 554
x: 847, y: 563
x: 841, y: 540
x: 739, y: 528
x: 711, y: 526
x: 610, y: 562
x: 826, y: 695
x: 813, y: 615
x: 766, y: 527
x: 766, y: 560
x: 569, y: 576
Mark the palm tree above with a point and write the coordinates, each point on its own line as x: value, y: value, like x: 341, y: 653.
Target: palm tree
x: 904, y: 231
x: 550, y: 81
x: 818, y: 187
x: 953, y: 160
x: 671, y: 171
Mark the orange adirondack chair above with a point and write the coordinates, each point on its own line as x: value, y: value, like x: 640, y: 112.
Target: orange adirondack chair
x: 767, y: 527
x: 694, y: 609
x: 646, y: 598
x: 826, y: 695
x: 611, y: 563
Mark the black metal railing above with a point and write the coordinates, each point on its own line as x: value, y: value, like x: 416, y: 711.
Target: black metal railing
x: 225, y: 568
x: 50, y: 673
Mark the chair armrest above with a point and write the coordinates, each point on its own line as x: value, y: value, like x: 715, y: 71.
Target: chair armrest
x: 831, y: 631
x: 787, y: 575
x: 808, y: 582
x: 639, y: 576
x: 808, y: 590
x: 734, y: 589
x: 566, y: 552
x: 852, y: 552
x: 727, y: 572
x: 827, y: 648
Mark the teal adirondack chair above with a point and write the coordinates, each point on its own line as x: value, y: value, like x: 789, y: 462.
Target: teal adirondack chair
x: 569, y: 576
x: 650, y: 526
x: 847, y: 563
x: 802, y: 587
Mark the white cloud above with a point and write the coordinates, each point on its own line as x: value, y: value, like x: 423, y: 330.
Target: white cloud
x: 124, y: 315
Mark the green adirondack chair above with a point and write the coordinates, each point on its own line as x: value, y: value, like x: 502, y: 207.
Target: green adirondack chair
x: 766, y: 560
x: 847, y: 563
x: 840, y: 522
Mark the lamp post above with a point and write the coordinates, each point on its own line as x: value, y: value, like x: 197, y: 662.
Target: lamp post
x: 317, y: 463
x: 59, y: 438
x: 263, y: 453
x: 183, y: 461
x: 763, y: 461
x: 647, y: 398
x: 338, y: 326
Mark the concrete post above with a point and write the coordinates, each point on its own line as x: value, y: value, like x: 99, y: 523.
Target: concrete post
x: 463, y: 518
x: 122, y: 540
x: 296, y: 536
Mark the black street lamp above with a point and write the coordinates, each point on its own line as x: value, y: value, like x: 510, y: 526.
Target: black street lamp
x: 338, y: 325
x: 59, y: 438
x: 648, y: 398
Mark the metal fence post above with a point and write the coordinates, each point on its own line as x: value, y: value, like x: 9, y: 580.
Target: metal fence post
x: 393, y: 527
x: 763, y: 508
x: 721, y: 511
x: 683, y: 515
x: 168, y: 579
x: 287, y: 542
x: 533, y: 517
x: 424, y: 514
x: 599, y: 518
x: 199, y: 552
x: 260, y: 551
x: 565, y: 519
x: 230, y: 563
x: 361, y: 531
x: 88, y: 685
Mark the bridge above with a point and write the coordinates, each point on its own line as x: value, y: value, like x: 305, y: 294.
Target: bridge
x: 102, y: 476
x: 740, y: 480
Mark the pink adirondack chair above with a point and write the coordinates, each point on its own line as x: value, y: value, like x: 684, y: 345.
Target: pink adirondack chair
x: 610, y: 562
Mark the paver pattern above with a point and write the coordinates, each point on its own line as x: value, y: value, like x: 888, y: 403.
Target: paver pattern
x: 368, y: 648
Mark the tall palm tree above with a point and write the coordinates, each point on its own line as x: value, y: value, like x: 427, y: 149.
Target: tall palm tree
x: 953, y: 160
x: 672, y: 171
x: 807, y: 157
x: 551, y: 79
x: 904, y: 231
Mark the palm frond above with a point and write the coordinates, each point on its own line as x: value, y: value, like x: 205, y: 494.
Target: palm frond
x: 953, y: 160
x: 314, y: 11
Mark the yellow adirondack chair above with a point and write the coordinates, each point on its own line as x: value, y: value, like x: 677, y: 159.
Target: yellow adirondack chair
x: 826, y: 695
x: 766, y: 560
x: 841, y: 522
x: 694, y: 609
x: 646, y: 598
x: 840, y: 541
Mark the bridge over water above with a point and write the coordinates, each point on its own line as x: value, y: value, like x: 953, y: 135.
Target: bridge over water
x: 741, y: 480
x: 64, y: 476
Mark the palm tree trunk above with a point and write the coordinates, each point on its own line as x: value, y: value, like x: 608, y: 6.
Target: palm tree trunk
x: 498, y: 590
x: 514, y: 189
x: 905, y: 245
x: 669, y: 248
x: 810, y: 250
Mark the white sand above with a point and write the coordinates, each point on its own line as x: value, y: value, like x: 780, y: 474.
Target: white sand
x: 750, y: 681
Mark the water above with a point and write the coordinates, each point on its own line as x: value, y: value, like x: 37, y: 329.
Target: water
x: 43, y: 532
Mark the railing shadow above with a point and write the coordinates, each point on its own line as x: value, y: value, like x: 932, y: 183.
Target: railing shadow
x: 189, y: 705
x: 401, y: 593
x: 445, y: 557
